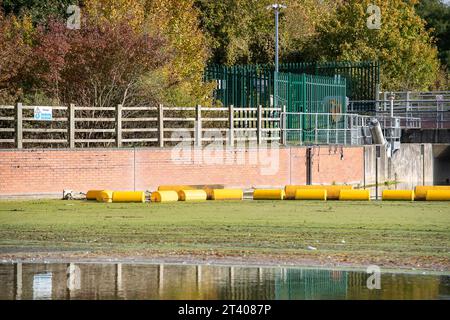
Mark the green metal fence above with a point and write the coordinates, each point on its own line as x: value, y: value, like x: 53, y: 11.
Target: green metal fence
x: 309, y: 94
x: 251, y: 85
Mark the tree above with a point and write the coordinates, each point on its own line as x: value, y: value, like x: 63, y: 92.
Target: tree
x: 100, y: 65
x: 181, y: 79
x: 404, y: 47
x: 436, y: 13
x: 38, y: 10
x: 15, y: 53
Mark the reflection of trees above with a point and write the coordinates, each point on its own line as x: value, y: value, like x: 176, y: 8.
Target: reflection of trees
x: 151, y: 281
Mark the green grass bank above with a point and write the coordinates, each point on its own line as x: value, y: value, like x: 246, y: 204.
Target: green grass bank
x: 394, y: 234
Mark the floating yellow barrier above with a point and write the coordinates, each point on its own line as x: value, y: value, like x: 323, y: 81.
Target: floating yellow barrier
x: 192, y: 195
x: 268, y: 194
x: 332, y: 191
x: 105, y: 196
x: 93, y: 194
x: 164, y: 196
x: 421, y: 191
x: 227, y: 194
x: 438, y: 195
x: 311, y: 194
x: 398, y: 195
x: 128, y: 196
x: 354, y: 195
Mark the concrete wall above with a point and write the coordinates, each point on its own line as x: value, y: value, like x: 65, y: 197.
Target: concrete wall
x: 407, y: 166
x: 441, y: 154
x: 426, y: 136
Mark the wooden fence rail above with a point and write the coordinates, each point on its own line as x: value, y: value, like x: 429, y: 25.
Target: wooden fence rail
x: 74, y: 126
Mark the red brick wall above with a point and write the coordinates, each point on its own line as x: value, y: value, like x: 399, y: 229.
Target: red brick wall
x: 339, y: 165
x: 51, y: 171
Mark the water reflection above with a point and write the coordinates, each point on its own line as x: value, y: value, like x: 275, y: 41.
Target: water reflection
x: 148, y: 281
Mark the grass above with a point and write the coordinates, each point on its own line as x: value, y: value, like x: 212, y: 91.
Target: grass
x: 386, y: 233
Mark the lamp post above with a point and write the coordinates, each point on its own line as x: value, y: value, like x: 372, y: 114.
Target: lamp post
x: 276, y: 8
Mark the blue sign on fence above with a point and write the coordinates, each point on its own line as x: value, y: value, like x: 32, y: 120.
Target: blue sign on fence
x: 43, y: 113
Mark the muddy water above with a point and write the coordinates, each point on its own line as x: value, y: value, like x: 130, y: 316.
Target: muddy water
x: 151, y: 281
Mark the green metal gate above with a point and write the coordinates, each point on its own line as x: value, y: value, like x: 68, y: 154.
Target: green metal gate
x: 304, y: 96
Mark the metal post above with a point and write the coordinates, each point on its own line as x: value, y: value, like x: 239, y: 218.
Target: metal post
x: 198, y: 125
x: 328, y: 128
x: 19, y: 132
x: 408, y: 94
x: 316, y: 138
x: 391, y: 97
x: 277, y: 13
x: 72, y: 126
x: 161, y: 125
x: 276, y: 7
x: 259, y: 124
x: 119, y: 126
x: 231, y: 125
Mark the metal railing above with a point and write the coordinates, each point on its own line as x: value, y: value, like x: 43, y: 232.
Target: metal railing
x: 340, y: 128
x: 82, y: 127
x: 433, y: 108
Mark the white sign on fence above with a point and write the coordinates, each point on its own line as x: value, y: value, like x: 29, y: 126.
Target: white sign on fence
x: 43, y: 113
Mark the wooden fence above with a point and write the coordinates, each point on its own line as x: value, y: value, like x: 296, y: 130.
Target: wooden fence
x: 78, y: 127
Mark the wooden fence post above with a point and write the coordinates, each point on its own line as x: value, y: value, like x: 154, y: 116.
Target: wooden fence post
x: 231, y: 125
x: 198, y: 125
x: 161, y: 125
x: 119, y: 126
x: 19, y: 132
x: 259, y: 124
x: 72, y: 126
x: 283, y: 126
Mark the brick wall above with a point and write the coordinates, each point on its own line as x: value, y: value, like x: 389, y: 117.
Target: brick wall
x: 47, y: 171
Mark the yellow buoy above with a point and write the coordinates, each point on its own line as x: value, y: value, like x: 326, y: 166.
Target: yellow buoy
x: 105, y: 196
x: 332, y: 191
x: 227, y: 194
x: 93, y: 194
x: 311, y: 194
x: 164, y: 196
x: 268, y: 194
x: 438, y: 195
x: 421, y: 191
x: 354, y: 195
x: 192, y: 195
x: 128, y: 196
x: 398, y: 195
